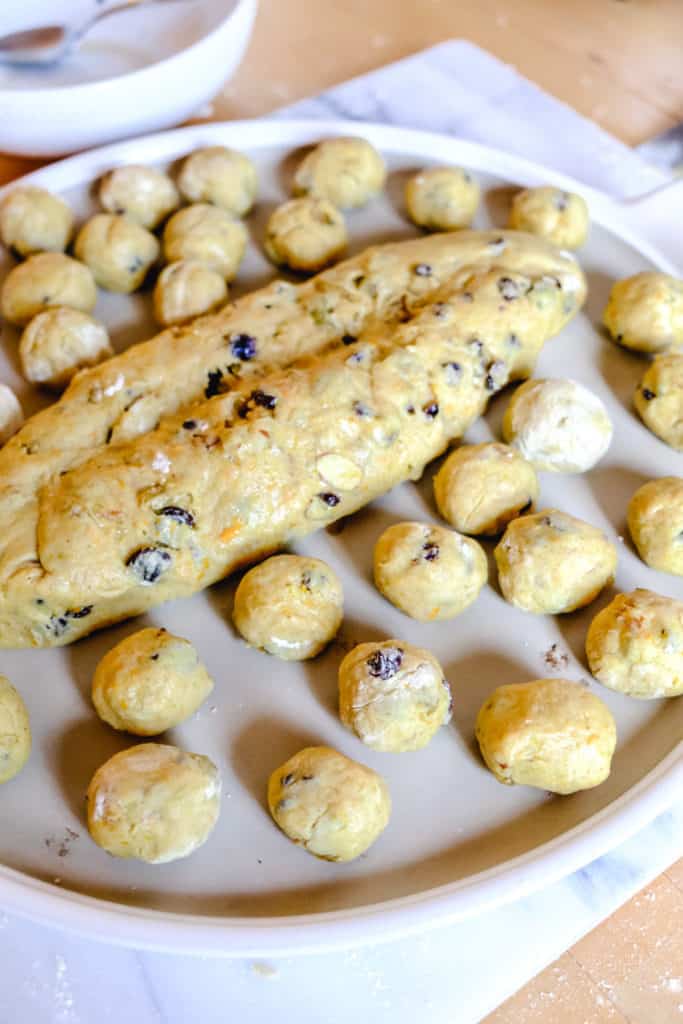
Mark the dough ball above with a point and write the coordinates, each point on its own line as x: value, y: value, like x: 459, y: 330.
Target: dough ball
x: 442, y: 198
x: 550, y: 733
x: 550, y: 562
x: 187, y: 289
x: 392, y: 695
x: 205, y: 233
x: 557, y: 425
x: 33, y: 220
x: 645, y: 312
x: 220, y: 176
x: 15, y: 732
x: 659, y: 399
x: 118, y: 251
x: 305, y: 234
x: 347, y: 171
x: 635, y: 645
x: 332, y: 806
x: 142, y: 194
x: 655, y: 522
x: 58, y: 343
x: 427, y: 571
x: 561, y: 217
x: 11, y: 414
x: 149, y: 682
x: 481, y: 487
x: 289, y: 606
x: 46, y: 279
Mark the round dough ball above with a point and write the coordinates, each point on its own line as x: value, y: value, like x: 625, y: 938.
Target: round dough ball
x: 15, y: 732
x: 142, y: 194
x: 392, y: 695
x: 549, y: 733
x: 481, y: 487
x: 46, y: 279
x: 659, y: 399
x: 557, y: 425
x: 347, y: 171
x: 289, y: 606
x: 635, y: 645
x: 187, y: 289
x: 118, y: 251
x: 58, y: 343
x: 645, y: 312
x: 655, y: 522
x: 551, y: 563
x: 33, y: 220
x: 427, y: 571
x: 149, y: 682
x: 205, y: 233
x: 220, y: 176
x: 332, y: 806
x: 442, y: 198
x: 11, y: 414
x: 305, y: 234
x: 561, y: 217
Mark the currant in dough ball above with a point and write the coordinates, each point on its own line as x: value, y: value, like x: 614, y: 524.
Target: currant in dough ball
x: 549, y: 733
x: 33, y: 220
x: 11, y: 414
x: 206, y: 233
x: 659, y: 399
x: 46, y: 279
x: 561, y: 217
x: 289, y: 606
x: 481, y: 487
x: 332, y: 806
x: 305, y: 234
x: 635, y: 645
x: 118, y: 251
x: 392, y: 695
x: 220, y: 176
x: 348, y: 172
x: 15, y: 732
x: 427, y: 571
x: 645, y: 312
x: 557, y: 425
x: 442, y: 198
x: 142, y: 194
x: 550, y: 562
x: 58, y: 343
x: 187, y: 289
x: 655, y: 522
x: 149, y: 682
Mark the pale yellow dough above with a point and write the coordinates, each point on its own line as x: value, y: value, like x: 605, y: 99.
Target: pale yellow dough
x: 142, y: 194
x: 481, y: 487
x: 187, y: 289
x: 15, y: 731
x: 561, y: 217
x: 118, y: 251
x: 332, y: 806
x: 44, y: 280
x: 149, y: 682
x: 392, y: 695
x: 58, y: 343
x: 645, y: 312
x: 427, y: 571
x: 220, y: 176
x: 347, y: 171
x: 655, y: 522
x: 153, y: 802
x: 635, y: 645
x: 11, y: 414
x: 208, y: 234
x: 659, y: 399
x: 305, y: 234
x: 551, y: 562
x: 34, y: 220
x: 442, y: 198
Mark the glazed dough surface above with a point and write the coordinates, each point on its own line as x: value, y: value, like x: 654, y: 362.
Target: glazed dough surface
x: 659, y: 399
x: 208, y: 234
x: 11, y: 414
x: 220, y: 176
x: 15, y: 731
x: 58, y: 343
x: 142, y: 194
x: 655, y: 522
x: 33, y: 220
x: 187, y: 289
x: 346, y: 171
x: 119, y: 251
x: 305, y: 234
x: 645, y: 312
x: 44, y: 280
x: 442, y: 198
x: 561, y: 217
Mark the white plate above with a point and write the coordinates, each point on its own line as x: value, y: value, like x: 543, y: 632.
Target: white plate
x: 458, y: 841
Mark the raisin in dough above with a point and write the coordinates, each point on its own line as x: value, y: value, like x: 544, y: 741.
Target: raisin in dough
x: 645, y: 312
x: 44, y: 280
x: 393, y: 696
x: 442, y: 198
x: 659, y: 399
x: 551, y: 563
x: 118, y: 251
x: 33, y: 220
x: 332, y: 806
x: 481, y: 487
x: 305, y: 234
x: 187, y: 289
x: 427, y: 571
x: 11, y: 414
x: 142, y: 194
x: 348, y: 172
x: 208, y: 234
x: 289, y: 606
x: 58, y: 343
x: 550, y: 733
x: 153, y: 802
x: 149, y: 682
x: 15, y: 732
x: 220, y: 176
x: 561, y: 217
x: 635, y: 645
x: 557, y: 425
x: 655, y: 522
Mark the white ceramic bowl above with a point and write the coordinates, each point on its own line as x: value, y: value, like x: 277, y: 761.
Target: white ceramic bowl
x: 136, y: 72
